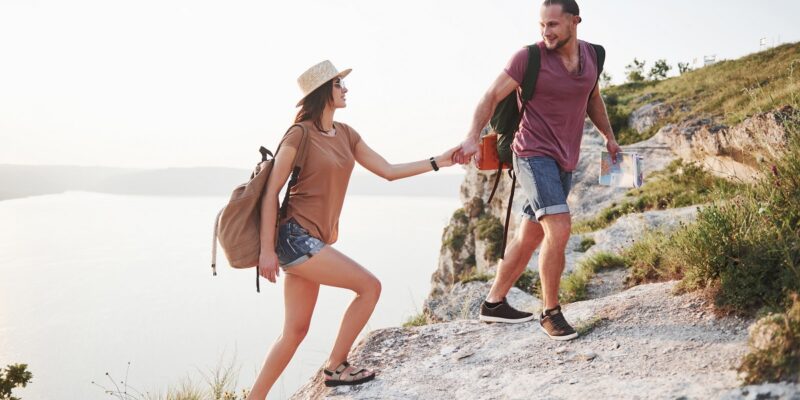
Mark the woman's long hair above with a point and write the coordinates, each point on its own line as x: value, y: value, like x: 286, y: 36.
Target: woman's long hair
x: 314, y: 104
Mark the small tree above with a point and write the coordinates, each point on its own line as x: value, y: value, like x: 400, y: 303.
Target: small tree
x: 684, y: 67
x: 11, y: 377
x: 659, y: 70
x: 605, y: 79
x: 635, y: 71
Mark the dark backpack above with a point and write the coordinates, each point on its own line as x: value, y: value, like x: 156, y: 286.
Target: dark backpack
x: 508, y: 115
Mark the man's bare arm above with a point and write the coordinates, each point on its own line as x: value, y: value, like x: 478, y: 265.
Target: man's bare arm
x: 502, y: 87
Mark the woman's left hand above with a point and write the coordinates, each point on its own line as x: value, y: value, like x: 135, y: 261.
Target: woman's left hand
x: 446, y: 158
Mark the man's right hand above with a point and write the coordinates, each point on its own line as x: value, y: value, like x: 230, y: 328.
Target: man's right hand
x: 469, y: 147
x: 268, y: 265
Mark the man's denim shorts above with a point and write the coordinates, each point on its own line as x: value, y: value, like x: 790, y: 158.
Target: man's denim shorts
x: 545, y: 184
x: 295, y: 245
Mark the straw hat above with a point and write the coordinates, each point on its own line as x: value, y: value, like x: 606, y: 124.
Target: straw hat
x: 316, y: 76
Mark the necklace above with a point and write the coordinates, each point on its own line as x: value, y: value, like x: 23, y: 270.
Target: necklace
x: 330, y: 132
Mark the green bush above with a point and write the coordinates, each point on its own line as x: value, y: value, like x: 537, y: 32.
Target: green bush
x: 490, y: 230
x: 745, y: 251
x: 460, y: 216
x: 13, y: 376
x: 455, y: 241
x: 775, y: 348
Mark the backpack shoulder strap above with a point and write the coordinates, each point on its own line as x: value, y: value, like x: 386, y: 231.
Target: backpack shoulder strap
x: 601, y: 57
x: 600, y: 54
x: 302, y: 151
x: 531, y: 72
x: 299, y: 159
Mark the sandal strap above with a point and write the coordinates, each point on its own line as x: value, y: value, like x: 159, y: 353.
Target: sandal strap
x: 337, y: 372
x: 343, y: 366
x: 339, y: 375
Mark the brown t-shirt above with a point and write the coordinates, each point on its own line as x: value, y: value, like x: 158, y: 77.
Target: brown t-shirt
x: 316, y: 200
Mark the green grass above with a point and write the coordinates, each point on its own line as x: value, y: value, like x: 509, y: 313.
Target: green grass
x: 648, y: 259
x: 680, y: 184
x: 586, y: 243
x: 728, y: 91
x: 455, y: 241
x: 529, y: 282
x: 475, y: 277
x: 416, y: 320
x: 219, y: 384
x: 573, y: 286
x: 585, y: 328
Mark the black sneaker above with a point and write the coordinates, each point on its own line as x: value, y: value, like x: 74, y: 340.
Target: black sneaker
x: 555, y: 326
x: 503, y: 312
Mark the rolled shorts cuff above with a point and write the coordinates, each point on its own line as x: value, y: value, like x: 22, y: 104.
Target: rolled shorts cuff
x: 297, y: 261
x: 538, y: 214
x: 556, y: 209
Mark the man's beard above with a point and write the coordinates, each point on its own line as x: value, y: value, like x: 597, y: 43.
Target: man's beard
x: 561, y: 43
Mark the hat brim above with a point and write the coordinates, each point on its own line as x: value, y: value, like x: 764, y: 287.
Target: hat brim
x: 340, y: 75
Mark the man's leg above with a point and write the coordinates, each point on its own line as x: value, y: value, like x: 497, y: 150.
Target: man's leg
x: 518, y: 254
x: 551, y: 266
x: 551, y: 259
x: 547, y: 187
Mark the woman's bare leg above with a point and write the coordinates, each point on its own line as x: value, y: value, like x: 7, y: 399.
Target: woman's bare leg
x: 300, y: 296
x: 332, y: 268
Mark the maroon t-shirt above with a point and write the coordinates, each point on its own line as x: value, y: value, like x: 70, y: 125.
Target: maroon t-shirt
x: 552, y: 125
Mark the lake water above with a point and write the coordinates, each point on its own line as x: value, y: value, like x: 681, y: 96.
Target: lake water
x: 90, y: 282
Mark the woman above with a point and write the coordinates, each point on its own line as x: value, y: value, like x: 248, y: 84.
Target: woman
x: 310, y: 226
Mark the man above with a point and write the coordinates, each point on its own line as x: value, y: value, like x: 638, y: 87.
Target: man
x: 546, y: 149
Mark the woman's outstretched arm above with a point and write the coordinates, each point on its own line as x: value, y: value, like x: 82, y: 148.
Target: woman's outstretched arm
x: 376, y: 164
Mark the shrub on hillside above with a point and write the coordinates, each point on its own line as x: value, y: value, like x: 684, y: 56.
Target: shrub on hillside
x: 490, y: 230
x: 746, y: 250
x: 774, y: 348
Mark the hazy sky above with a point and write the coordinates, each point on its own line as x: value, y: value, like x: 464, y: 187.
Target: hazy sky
x: 170, y: 83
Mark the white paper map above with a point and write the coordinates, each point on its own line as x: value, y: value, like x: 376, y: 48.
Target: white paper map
x: 626, y: 172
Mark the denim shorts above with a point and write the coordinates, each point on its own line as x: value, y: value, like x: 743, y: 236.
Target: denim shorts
x: 545, y: 184
x: 295, y: 245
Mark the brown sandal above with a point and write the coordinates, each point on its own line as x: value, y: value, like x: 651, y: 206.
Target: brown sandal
x: 338, y: 377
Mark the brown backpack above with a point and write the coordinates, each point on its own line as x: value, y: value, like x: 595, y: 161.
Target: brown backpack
x: 238, y: 224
